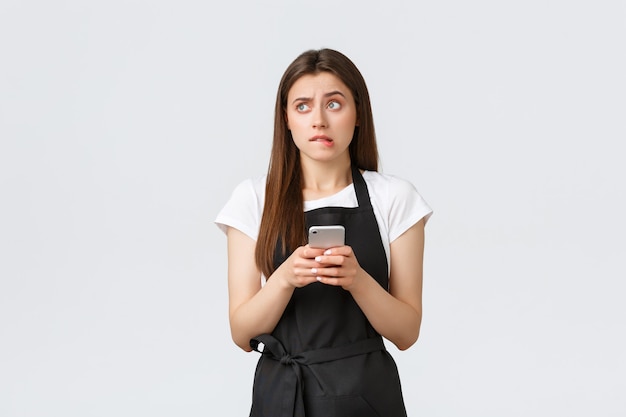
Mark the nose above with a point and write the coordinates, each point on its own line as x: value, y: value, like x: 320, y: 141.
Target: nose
x: 319, y: 118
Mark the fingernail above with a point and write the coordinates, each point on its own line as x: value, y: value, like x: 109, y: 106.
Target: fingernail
x: 314, y: 271
x: 318, y: 259
x: 328, y: 252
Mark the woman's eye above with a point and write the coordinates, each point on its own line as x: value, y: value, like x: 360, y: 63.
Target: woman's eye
x: 333, y: 105
x: 302, y: 107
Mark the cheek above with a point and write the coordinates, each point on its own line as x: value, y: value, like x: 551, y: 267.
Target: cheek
x: 298, y: 124
x: 293, y: 121
x: 349, y: 122
x: 298, y: 133
x: 350, y: 118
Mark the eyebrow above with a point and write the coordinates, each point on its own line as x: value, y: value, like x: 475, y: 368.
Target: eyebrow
x: 332, y: 93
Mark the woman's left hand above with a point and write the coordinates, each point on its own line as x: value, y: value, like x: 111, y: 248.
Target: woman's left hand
x: 338, y: 266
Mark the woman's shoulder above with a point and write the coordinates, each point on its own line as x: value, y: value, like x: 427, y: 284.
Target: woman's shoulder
x: 244, y: 207
x: 398, y: 200
x: 388, y: 185
x: 251, y: 187
x: 249, y: 193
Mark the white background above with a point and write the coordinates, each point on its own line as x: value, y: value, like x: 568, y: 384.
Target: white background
x: 125, y: 125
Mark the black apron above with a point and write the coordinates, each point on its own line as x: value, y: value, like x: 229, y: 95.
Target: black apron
x: 324, y: 358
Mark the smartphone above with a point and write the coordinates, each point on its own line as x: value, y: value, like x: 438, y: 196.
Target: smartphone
x: 325, y: 237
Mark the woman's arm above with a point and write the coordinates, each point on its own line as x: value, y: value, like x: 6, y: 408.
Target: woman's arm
x: 397, y: 314
x: 255, y: 310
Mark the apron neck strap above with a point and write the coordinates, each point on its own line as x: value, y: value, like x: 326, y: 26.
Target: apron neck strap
x: 360, y: 188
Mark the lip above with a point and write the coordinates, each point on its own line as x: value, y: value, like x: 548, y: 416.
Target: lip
x: 320, y: 138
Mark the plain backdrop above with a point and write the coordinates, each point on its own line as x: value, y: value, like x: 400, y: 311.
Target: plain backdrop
x: 125, y: 125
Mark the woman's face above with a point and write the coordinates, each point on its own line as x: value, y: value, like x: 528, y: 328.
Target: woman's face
x: 321, y: 115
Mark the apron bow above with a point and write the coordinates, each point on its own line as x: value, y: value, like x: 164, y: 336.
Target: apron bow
x: 274, y: 349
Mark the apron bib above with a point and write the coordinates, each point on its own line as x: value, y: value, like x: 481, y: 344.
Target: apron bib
x: 324, y: 358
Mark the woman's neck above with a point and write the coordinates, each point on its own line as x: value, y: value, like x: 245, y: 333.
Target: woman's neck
x: 320, y: 180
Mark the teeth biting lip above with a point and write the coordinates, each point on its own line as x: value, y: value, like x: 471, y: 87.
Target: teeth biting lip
x: 320, y: 138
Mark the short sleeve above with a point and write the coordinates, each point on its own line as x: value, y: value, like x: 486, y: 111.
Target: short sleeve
x: 406, y: 207
x: 244, y: 208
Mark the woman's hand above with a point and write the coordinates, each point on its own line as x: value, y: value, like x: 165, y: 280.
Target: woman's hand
x: 337, y: 266
x: 254, y: 308
x: 298, y: 269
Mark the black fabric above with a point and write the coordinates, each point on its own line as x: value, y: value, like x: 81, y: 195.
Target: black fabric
x: 324, y: 358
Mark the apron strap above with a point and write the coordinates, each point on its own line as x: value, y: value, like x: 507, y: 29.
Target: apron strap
x: 271, y: 347
x: 360, y: 188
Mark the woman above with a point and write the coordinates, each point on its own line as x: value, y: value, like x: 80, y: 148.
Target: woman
x: 320, y: 315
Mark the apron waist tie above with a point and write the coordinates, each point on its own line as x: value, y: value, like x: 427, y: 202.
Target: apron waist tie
x: 275, y: 350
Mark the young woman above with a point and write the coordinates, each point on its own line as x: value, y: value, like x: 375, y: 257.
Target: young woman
x: 318, y: 316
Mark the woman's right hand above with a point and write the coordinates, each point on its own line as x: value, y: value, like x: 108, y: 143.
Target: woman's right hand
x: 298, y: 270
x: 254, y: 308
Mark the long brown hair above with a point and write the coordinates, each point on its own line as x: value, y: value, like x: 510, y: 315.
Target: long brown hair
x: 283, y: 218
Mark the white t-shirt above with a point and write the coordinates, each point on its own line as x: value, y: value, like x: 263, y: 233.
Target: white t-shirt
x: 397, y: 205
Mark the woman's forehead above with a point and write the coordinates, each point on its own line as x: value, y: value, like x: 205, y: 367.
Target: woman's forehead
x: 312, y: 85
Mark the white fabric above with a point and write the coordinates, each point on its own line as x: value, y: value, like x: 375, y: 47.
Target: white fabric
x: 397, y: 205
